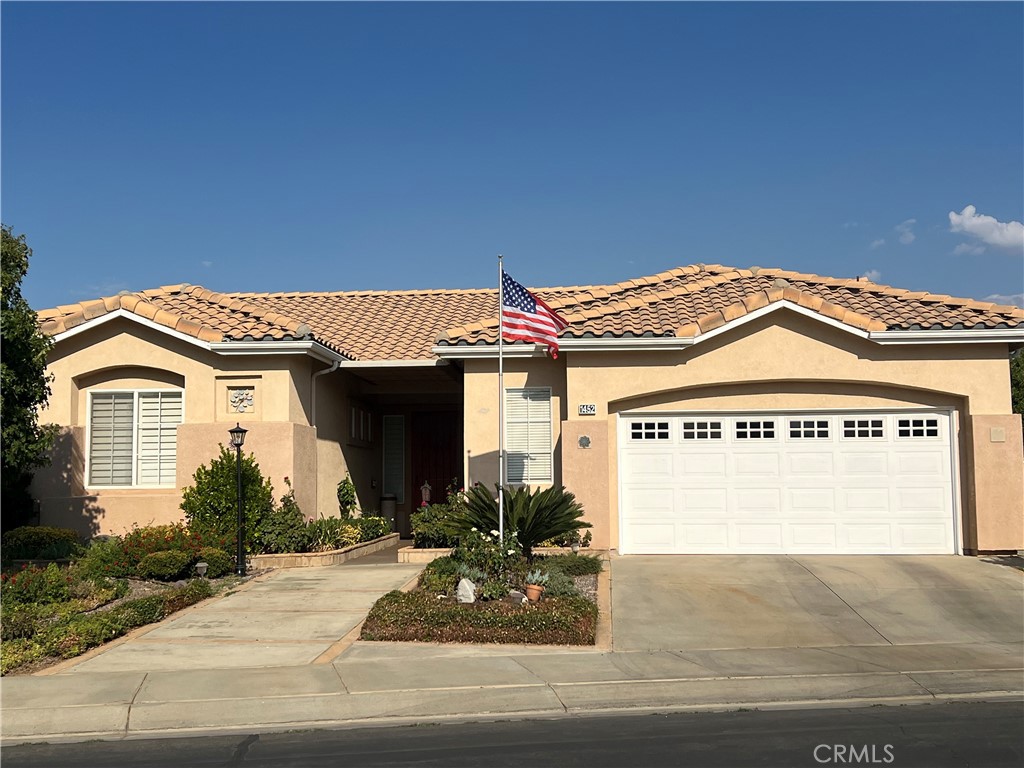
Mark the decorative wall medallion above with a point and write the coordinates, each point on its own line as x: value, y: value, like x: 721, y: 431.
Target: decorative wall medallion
x: 240, y: 399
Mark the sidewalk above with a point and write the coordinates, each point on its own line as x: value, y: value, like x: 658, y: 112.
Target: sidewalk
x: 278, y: 654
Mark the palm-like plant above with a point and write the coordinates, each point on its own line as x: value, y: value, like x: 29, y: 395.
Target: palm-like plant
x: 534, y: 516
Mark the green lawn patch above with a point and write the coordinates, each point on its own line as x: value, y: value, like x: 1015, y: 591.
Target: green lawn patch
x: 419, y: 616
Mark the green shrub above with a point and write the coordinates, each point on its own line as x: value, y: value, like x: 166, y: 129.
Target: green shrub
x: 36, y: 585
x: 211, y: 504
x: 105, y: 557
x: 283, y: 529
x: 431, y: 528
x: 571, y: 564
x: 419, y: 616
x: 218, y: 561
x: 193, y: 592
x: 165, y: 566
x: 534, y: 516
x: 18, y: 652
x: 441, y: 576
x: 330, y: 533
x: 560, y: 585
x: 371, y: 527
x: 346, y: 497
x: 40, y: 542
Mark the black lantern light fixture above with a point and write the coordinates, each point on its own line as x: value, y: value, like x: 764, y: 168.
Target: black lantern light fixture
x: 238, y: 440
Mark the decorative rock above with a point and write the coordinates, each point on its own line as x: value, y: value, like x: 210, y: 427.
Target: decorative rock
x: 466, y: 592
x: 518, y: 596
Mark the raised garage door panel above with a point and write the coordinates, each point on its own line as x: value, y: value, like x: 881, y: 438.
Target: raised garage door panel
x: 786, y: 483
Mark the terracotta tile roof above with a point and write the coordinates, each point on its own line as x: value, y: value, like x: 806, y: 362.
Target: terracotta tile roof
x: 405, y: 325
x: 696, y: 299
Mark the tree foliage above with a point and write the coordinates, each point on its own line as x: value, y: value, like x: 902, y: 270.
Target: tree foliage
x: 1017, y: 381
x: 25, y: 386
x: 211, y: 503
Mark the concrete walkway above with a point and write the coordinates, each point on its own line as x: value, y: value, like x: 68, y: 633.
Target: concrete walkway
x: 268, y: 658
x: 288, y: 617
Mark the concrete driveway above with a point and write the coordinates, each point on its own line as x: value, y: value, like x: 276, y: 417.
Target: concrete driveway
x: 759, y: 601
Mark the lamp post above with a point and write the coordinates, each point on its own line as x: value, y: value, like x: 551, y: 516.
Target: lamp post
x: 238, y: 440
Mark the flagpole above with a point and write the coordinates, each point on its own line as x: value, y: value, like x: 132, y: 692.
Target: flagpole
x: 501, y: 404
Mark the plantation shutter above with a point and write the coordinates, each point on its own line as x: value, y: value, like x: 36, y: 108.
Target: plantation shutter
x: 528, y: 435
x: 159, y: 417
x: 394, y: 457
x: 111, y: 434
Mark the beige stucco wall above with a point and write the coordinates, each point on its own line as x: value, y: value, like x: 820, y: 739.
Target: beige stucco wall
x: 480, y: 410
x: 122, y: 354
x: 782, y: 361
x: 998, y: 487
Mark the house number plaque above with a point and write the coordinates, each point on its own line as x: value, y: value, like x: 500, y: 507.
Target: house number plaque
x: 588, y: 409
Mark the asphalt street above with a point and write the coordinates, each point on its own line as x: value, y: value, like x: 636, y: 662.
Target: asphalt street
x: 979, y: 735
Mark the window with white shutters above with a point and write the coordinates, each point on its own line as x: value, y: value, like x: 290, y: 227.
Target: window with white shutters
x: 528, y: 435
x: 394, y: 457
x: 133, y: 438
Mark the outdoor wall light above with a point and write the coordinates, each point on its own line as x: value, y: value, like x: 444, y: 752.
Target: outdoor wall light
x: 238, y: 440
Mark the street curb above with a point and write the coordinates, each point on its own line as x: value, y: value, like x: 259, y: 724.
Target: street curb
x: 545, y: 714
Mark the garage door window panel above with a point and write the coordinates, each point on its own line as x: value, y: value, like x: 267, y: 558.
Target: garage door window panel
x: 809, y: 429
x: 923, y: 427
x: 863, y: 429
x: 649, y: 430
x: 755, y: 430
x: 701, y: 430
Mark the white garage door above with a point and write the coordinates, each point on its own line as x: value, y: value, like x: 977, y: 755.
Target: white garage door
x: 805, y: 483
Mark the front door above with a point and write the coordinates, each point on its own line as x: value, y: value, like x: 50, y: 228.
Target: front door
x: 436, y: 443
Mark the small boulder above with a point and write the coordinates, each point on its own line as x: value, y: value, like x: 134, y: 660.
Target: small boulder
x: 466, y: 592
x: 516, y: 596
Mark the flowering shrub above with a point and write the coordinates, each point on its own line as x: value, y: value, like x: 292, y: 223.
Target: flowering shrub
x: 51, y: 584
x: 499, y: 559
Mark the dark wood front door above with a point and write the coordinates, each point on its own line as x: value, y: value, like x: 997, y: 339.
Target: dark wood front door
x: 436, y: 454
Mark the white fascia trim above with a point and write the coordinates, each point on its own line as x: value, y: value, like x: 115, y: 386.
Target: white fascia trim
x: 632, y: 343
x: 125, y: 314
x: 393, y: 363
x: 951, y: 336
x: 490, y: 350
x: 312, y: 348
x: 775, y: 307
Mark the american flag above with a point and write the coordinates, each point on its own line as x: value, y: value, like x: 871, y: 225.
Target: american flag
x: 527, y: 318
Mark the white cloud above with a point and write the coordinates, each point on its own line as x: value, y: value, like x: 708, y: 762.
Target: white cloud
x: 967, y: 249
x: 872, y: 275
x: 206, y: 264
x: 906, y: 230
x: 851, y: 224
x: 877, y: 243
x: 1015, y: 299
x: 1009, y: 235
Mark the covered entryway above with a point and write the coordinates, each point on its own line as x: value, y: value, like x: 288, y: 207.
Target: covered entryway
x: 793, y: 482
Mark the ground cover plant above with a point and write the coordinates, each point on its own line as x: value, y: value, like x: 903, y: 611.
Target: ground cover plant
x: 421, y: 616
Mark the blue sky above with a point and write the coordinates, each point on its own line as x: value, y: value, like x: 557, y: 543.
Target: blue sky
x: 330, y: 146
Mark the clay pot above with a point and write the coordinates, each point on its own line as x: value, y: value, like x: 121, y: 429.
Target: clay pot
x: 533, y: 592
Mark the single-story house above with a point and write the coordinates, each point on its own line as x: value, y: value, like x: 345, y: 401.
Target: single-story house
x: 706, y: 409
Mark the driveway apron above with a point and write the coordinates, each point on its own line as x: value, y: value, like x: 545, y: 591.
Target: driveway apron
x: 729, y: 602
x: 288, y: 618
